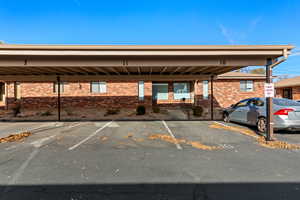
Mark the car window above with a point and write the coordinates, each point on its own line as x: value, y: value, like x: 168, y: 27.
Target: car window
x: 285, y: 102
x: 256, y: 102
x: 242, y: 103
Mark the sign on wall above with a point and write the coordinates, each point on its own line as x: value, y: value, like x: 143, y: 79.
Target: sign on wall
x: 269, y: 90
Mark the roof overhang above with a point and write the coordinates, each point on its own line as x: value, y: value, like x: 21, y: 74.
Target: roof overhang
x: 125, y: 62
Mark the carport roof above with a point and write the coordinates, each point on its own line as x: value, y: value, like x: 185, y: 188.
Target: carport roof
x: 289, y: 82
x: 153, y: 62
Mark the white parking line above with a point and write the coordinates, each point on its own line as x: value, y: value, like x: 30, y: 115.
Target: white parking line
x: 90, y: 136
x: 221, y: 124
x: 40, y: 142
x: 170, y: 132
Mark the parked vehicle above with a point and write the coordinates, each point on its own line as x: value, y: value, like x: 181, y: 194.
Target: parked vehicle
x: 253, y: 112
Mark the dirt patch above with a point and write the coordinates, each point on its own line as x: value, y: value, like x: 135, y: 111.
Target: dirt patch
x: 103, y: 138
x: 15, y: 137
x: 168, y: 138
x: 130, y: 135
x: 260, y: 139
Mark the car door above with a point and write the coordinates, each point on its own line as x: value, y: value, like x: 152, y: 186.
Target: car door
x: 239, y: 113
x: 253, y: 111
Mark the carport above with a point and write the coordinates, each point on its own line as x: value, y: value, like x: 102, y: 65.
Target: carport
x: 154, y: 63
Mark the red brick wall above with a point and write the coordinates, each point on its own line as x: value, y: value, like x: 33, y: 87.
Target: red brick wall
x: 121, y: 93
x: 227, y: 92
x: 295, y: 92
x: 125, y: 94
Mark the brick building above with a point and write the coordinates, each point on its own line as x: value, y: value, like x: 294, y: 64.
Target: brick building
x: 288, y: 88
x: 228, y: 88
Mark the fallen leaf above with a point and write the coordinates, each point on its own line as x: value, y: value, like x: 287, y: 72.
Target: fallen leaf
x: 15, y: 137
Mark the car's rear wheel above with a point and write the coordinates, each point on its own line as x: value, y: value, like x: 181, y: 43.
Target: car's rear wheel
x: 226, y: 117
x: 261, y: 125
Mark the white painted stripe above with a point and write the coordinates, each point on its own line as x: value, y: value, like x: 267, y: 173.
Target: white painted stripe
x: 40, y: 142
x: 74, y: 125
x: 90, y: 136
x: 221, y: 124
x: 170, y: 132
x: 21, y: 169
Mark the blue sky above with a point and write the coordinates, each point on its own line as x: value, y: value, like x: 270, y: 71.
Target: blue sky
x: 154, y: 22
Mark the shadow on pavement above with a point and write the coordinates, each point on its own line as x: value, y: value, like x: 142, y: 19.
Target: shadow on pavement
x: 153, y: 191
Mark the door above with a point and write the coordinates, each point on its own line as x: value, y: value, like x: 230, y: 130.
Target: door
x: 287, y: 93
x: 240, y: 110
x: 160, y: 91
x: 2, y: 93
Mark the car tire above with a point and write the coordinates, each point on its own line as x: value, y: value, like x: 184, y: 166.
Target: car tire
x: 261, y: 125
x: 226, y: 117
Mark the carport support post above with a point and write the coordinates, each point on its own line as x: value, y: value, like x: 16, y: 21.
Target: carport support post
x: 212, y: 98
x: 270, y: 120
x: 58, y: 97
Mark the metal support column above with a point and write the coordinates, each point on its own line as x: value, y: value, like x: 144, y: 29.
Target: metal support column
x: 58, y: 97
x: 212, y: 98
x: 269, y: 100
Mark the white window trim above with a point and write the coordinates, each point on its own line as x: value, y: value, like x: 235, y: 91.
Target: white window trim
x: 246, y: 84
x: 141, y: 91
x: 205, y: 89
x: 188, y: 86
x: 99, y: 87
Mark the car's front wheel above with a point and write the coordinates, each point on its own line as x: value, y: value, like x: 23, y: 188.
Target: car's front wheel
x: 226, y: 117
x: 261, y: 125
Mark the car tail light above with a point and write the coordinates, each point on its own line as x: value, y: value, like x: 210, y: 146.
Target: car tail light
x: 284, y: 111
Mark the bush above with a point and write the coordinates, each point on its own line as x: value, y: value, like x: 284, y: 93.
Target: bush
x: 197, y: 111
x: 141, y: 110
x: 155, y: 109
x: 112, y: 111
x: 16, y: 108
x: 46, y: 113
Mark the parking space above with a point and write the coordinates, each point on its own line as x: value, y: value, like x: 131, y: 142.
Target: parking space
x: 140, y: 152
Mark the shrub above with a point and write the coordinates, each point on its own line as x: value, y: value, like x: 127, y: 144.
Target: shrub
x: 155, y: 109
x: 141, y: 110
x: 46, y: 113
x: 16, y: 108
x: 112, y: 111
x: 197, y: 111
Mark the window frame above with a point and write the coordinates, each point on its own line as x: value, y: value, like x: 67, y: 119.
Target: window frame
x: 62, y: 87
x: 99, y: 87
x: 188, y: 87
x: 244, y: 86
x: 163, y: 84
x: 205, y: 89
x: 141, y: 95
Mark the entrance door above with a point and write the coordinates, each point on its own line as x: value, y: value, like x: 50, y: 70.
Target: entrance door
x: 160, y: 91
x: 287, y: 93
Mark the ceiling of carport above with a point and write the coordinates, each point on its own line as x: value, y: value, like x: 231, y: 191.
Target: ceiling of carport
x: 18, y: 61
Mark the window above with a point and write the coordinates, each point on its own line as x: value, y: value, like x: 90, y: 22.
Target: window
x: 17, y: 90
x: 160, y: 91
x: 141, y: 90
x: 98, y: 87
x: 242, y: 103
x: 256, y: 102
x: 205, y: 89
x: 181, y: 91
x: 55, y: 87
x: 246, y: 86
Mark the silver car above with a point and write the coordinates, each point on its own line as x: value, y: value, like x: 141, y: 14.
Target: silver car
x: 253, y: 112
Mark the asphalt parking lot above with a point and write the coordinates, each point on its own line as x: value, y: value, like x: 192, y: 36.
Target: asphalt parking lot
x: 134, y: 159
